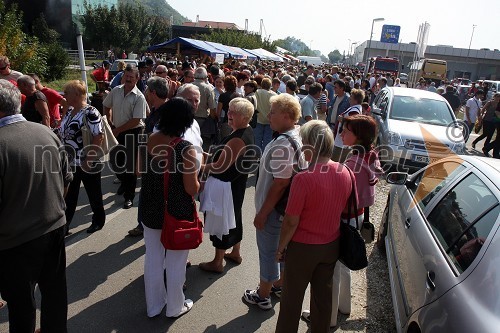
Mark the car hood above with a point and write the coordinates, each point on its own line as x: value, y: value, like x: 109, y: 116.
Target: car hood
x: 409, y: 130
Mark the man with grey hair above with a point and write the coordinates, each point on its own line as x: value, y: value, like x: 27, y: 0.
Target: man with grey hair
x: 191, y: 93
x: 205, y: 113
x: 36, y: 107
x: 32, y: 218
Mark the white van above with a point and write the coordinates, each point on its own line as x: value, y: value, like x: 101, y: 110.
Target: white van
x: 315, y: 61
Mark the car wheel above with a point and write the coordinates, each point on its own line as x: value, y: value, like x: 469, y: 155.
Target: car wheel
x: 382, y: 230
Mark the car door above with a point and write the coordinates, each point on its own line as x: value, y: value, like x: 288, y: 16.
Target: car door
x: 407, y: 224
x: 452, y: 221
x: 381, y: 106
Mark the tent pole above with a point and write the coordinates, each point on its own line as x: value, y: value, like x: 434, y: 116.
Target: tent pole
x: 178, y: 49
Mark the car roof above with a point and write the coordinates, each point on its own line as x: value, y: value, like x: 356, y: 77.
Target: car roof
x: 417, y: 93
x: 490, y: 167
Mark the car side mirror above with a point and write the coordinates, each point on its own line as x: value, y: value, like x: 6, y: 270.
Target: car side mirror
x: 397, y: 178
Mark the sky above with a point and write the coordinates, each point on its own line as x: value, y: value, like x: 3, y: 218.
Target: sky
x: 327, y: 25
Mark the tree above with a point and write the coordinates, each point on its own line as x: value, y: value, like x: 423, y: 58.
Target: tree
x: 125, y: 27
x: 296, y: 46
x: 238, y: 38
x: 334, y: 56
x: 57, y: 57
x: 24, y: 52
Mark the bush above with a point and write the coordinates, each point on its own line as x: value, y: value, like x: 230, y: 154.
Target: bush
x: 57, y: 61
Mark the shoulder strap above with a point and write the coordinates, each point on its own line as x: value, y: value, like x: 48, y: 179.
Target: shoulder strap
x: 352, y: 201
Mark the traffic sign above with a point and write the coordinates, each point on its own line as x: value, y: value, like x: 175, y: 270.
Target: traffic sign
x: 390, y: 33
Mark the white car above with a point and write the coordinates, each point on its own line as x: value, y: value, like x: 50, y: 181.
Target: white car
x: 415, y: 127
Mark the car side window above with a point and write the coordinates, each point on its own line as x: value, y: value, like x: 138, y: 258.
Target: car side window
x: 430, y: 181
x: 463, y: 220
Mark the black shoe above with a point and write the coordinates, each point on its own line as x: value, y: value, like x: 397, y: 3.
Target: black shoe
x: 93, y: 228
x: 120, y: 190
x: 485, y: 152
x: 128, y: 204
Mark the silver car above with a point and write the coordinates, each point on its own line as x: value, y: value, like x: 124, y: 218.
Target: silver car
x: 416, y: 127
x: 440, y: 231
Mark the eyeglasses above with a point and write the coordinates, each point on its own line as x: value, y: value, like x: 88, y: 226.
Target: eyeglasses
x: 158, y: 73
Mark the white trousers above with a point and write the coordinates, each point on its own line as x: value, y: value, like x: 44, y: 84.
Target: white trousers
x: 158, y: 260
x: 341, y: 291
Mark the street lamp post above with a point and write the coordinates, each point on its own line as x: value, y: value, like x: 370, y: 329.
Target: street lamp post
x: 353, y: 52
x: 468, y: 51
x: 370, y: 42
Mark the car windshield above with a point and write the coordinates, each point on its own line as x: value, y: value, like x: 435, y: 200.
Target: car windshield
x: 422, y: 110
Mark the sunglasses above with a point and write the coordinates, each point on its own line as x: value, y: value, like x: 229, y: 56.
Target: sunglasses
x: 159, y: 73
x: 4, y: 67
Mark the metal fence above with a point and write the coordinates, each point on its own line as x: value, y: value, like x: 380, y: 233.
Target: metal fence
x: 89, y: 54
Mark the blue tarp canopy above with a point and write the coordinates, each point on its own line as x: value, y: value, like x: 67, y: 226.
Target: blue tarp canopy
x: 187, y: 44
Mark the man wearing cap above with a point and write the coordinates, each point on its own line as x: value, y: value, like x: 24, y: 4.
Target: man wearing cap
x: 302, y: 79
x: 141, y: 83
x: 5, y: 72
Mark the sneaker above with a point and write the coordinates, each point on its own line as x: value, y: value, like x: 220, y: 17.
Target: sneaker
x: 276, y: 291
x: 188, y: 305
x: 252, y: 297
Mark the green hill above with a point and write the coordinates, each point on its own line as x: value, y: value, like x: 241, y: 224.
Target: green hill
x: 159, y: 7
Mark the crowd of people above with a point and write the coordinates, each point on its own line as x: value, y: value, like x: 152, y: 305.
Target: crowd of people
x: 305, y: 131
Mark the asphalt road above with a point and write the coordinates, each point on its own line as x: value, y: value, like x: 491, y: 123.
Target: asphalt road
x: 106, y: 287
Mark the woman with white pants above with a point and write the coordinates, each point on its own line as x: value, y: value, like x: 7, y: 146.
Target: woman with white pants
x: 176, y: 197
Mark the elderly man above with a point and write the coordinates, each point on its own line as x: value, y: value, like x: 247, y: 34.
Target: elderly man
x: 32, y: 218
x: 188, y: 76
x: 191, y: 93
x: 54, y: 100
x: 205, y: 113
x: 126, y: 107
x: 5, y: 72
x: 36, y: 107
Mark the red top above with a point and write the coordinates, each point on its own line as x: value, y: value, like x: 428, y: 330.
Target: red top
x: 101, y: 74
x: 319, y: 196
x: 53, y: 99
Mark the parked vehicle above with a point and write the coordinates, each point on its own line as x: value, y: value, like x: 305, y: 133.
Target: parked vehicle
x: 114, y: 68
x: 383, y: 66
x: 416, y: 127
x: 440, y: 233
x: 315, y: 61
x: 430, y: 69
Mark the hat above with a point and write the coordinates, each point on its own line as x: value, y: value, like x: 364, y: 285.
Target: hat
x: 105, y: 63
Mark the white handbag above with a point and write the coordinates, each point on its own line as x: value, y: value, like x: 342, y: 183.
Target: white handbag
x: 108, y: 141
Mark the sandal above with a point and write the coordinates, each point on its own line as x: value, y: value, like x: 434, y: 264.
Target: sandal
x: 236, y: 260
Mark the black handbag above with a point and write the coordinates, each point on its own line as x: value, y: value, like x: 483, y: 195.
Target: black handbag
x: 352, y: 245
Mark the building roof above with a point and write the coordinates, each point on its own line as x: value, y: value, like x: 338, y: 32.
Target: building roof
x: 212, y: 24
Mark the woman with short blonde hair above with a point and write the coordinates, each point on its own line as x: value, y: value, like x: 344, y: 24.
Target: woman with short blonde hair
x: 227, y: 177
x: 87, y: 166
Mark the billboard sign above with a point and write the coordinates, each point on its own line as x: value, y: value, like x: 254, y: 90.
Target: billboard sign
x: 390, y: 34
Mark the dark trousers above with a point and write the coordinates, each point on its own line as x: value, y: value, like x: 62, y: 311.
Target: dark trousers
x: 495, y: 145
x: 123, y: 160
x: 92, y: 184
x: 488, y: 131
x: 42, y: 261
x: 304, y: 264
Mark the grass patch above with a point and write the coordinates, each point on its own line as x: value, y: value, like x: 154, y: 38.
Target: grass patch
x: 71, y: 74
